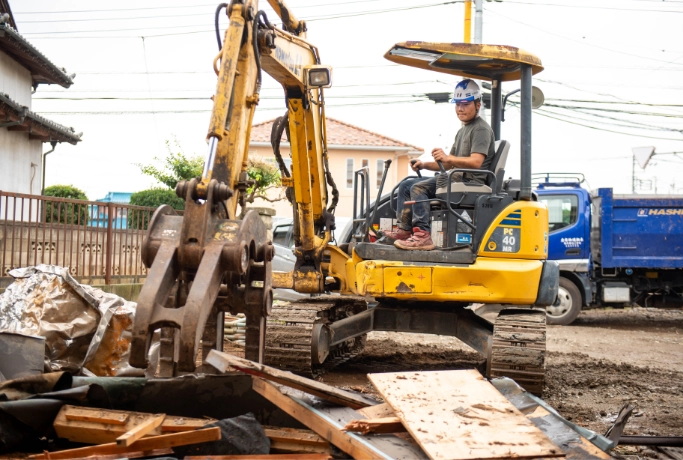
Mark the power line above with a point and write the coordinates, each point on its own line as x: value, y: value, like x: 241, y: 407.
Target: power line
x: 546, y: 114
x: 576, y: 41
x: 649, y: 10
x: 147, y: 112
x: 320, y: 18
x: 173, y: 7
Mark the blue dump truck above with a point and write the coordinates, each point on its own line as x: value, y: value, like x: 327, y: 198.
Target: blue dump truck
x: 613, y: 250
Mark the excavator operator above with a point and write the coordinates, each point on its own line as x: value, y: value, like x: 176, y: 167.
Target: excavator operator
x: 474, y: 148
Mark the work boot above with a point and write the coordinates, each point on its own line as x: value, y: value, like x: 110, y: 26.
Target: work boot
x: 397, y: 235
x: 420, y: 241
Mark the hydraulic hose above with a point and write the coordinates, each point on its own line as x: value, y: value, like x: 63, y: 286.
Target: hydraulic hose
x: 218, y: 30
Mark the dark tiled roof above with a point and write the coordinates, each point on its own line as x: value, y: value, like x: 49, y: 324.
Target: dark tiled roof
x: 4, y: 8
x: 42, y: 70
x: 37, y: 127
x: 338, y: 133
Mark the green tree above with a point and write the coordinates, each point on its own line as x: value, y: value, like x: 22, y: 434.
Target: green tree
x: 63, y: 212
x: 151, y: 198
x: 265, y: 176
x: 175, y: 167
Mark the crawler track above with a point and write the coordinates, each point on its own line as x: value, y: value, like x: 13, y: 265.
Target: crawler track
x: 518, y: 349
x: 290, y: 331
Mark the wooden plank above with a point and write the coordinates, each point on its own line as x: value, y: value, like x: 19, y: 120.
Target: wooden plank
x: 70, y: 424
x: 458, y: 415
x: 264, y: 457
x: 295, y: 436
x: 224, y: 361
x: 100, y: 416
x: 144, y: 444
x: 378, y: 411
x: 174, y: 424
x: 376, y: 425
x: 139, y: 431
x: 140, y: 454
x: 350, y: 443
x: 290, y: 440
x: 285, y: 447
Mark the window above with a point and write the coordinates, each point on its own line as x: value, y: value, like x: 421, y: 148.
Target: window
x: 349, y: 173
x: 281, y: 235
x: 380, y: 170
x: 562, y: 210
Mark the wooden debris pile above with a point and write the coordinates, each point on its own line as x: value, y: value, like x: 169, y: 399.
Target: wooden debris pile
x: 425, y: 415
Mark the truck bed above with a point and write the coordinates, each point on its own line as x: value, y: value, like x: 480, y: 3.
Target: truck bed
x: 637, y: 231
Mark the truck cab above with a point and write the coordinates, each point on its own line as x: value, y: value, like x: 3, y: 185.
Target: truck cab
x: 569, y: 225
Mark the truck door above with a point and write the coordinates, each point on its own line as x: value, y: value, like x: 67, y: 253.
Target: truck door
x: 567, y: 226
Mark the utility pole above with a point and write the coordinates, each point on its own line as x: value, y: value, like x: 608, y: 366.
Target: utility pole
x: 478, y: 20
x: 468, y: 21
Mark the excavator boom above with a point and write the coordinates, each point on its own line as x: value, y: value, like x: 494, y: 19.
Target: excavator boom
x: 207, y: 262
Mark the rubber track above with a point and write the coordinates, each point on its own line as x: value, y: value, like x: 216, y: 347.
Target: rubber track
x: 289, y: 333
x: 518, y: 350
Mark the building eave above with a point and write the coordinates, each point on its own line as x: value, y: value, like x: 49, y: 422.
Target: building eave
x: 16, y: 117
x: 41, y: 68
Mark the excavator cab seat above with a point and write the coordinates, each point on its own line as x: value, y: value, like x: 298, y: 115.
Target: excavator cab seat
x: 465, y: 194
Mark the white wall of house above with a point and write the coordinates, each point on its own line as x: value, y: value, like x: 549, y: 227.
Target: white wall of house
x: 20, y: 162
x: 20, y: 157
x: 15, y: 80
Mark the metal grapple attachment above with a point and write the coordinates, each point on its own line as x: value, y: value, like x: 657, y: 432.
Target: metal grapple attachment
x: 200, y: 266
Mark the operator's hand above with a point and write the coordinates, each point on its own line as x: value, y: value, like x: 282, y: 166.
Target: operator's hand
x: 440, y: 155
x: 416, y: 165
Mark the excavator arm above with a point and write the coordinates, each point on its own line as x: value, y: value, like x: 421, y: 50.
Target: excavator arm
x: 207, y: 262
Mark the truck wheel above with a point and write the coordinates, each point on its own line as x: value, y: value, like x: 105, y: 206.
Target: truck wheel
x: 567, y: 306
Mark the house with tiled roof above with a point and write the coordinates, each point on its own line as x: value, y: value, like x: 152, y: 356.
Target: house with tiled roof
x: 350, y: 148
x: 22, y: 131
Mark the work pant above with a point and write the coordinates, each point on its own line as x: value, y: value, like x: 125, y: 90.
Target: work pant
x: 417, y: 215
x: 417, y: 189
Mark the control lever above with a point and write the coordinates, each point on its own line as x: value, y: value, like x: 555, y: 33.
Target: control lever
x: 412, y: 162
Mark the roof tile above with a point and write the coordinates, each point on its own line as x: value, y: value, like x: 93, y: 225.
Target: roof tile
x: 338, y: 133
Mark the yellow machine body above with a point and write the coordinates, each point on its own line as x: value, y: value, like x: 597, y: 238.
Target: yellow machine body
x: 501, y: 273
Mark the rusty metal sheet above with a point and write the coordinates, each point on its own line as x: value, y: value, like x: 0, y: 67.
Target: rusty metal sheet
x: 467, y: 60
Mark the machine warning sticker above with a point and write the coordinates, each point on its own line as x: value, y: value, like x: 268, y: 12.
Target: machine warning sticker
x: 463, y: 238
x: 504, y: 239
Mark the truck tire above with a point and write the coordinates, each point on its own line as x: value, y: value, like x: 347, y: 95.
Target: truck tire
x: 567, y: 306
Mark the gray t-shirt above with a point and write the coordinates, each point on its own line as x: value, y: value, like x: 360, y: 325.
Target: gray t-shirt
x: 475, y: 137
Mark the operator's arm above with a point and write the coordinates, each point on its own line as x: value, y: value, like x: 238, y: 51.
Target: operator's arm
x: 474, y: 161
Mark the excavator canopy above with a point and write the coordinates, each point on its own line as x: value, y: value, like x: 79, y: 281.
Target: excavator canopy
x: 487, y: 62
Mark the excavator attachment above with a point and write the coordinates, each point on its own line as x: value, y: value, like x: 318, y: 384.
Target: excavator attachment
x: 192, y: 258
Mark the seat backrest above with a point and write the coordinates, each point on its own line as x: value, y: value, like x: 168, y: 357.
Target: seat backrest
x: 502, y: 148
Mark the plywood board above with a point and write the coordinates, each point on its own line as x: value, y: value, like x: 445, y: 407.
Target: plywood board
x: 459, y: 415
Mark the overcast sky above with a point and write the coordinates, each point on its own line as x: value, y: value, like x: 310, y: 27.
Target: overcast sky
x: 603, y: 59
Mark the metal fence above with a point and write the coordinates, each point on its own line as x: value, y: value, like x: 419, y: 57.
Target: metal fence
x: 99, y: 242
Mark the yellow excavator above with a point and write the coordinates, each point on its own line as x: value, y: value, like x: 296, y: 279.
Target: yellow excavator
x: 492, y: 238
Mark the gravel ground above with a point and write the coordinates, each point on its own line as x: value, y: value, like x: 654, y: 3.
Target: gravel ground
x: 605, y: 359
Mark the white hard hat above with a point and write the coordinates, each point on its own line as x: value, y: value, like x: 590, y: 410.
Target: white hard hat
x: 465, y: 91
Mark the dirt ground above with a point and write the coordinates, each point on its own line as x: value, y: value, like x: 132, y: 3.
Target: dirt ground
x: 604, y: 360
